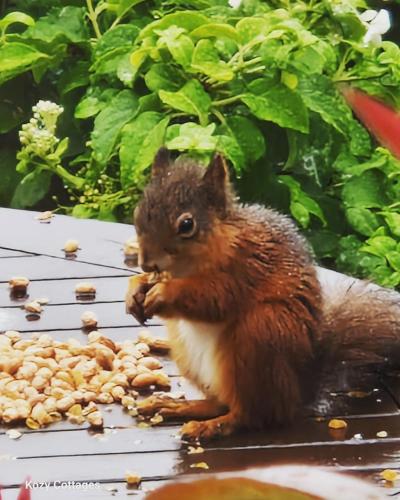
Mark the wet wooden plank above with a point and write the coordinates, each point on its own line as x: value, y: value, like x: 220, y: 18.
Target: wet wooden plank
x: 6, y: 253
x: 117, y: 334
x: 109, y: 289
x: 114, y: 415
x: 392, y: 384
x: 68, y: 316
x: 307, y: 432
x: 50, y: 268
x: 94, y: 492
x: 110, y: 468
x: 375, y: 401
x: 100, y: 242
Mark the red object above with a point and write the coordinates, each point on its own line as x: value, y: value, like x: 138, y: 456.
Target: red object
x: 24, y: 492
x: 381, y: 120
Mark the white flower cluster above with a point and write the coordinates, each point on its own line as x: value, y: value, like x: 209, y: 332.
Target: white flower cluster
x: 38, y: 136
x: 235, y: 4
x: 377, y: 24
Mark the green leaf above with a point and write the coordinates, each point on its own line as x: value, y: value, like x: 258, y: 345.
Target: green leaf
x: 125, y: 71
x: 31, y: 189
x: 149, y: 102
x: 163, y: 77
x: 89, y: 106
x: 393, y: 221
x: 289, y: 79
x: 248, y: 136
x: 300, y: 213
x: 75, y: 77
x: 380, y: 245
x: 280, y: 105
x: 15, y: 58
x: 217, y: 30
x: 206, y: 60
x: 191, y: 99
x: 14, y: 104
x: 109, y: 62
x: 365, y: 191
x: 66, y: 23
x: 384, y: 275
x: 83, y: 212
x: 229, y: 146
x: 109, y: 122
x: 123, y: 35
x: 324, y: 243
x: 10, y: 178
x: 132, y: 138
x: 320, y: 96
x: 301, y: 205
x: 308, y: 60
x: 179, y: 45
x: 15, y: 17
x: 362, y: 220
x: 139, y: 143
x: 253, y: 28
x: 352, y: 26
x: 188, y: 20
x: 137, y: 58
x: 393, y: 258
x: 192, y: 137
x: 123, y: 6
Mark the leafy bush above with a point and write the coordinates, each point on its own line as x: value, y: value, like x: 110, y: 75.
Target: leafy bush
x: 260, y: 83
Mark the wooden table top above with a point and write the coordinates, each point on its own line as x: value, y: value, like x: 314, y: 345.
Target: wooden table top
x: 67, y: 452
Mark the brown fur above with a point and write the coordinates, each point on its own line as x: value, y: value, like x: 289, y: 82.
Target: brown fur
x: 247, y: 270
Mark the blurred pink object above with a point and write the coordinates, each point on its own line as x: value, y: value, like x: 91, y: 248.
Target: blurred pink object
x: 381, y: 120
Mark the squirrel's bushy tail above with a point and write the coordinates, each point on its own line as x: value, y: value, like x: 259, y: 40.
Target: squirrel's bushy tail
x: 361, y: 321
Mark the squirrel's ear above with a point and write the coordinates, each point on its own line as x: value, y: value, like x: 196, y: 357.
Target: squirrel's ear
x: 161, y: 162
x: 216, y: 179
x: 217, y: 172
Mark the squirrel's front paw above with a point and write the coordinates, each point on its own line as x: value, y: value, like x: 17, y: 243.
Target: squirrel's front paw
x: 135, y: 298
x: 155, y: 302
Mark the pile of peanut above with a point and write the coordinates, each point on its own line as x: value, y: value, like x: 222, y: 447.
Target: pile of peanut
x: 42, y: 379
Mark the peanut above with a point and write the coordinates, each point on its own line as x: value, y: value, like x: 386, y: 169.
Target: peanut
x: 19, y: 284
x: 85, y: 289
x: 132, y: 478
x: 144, y: 380
x: 131, y: 247
x: 33, y: 307
x: 89, y: 319
x: 95, y: 419
x: 42, y: 379
x: 13, y: 335
x: 150, y: 362
x: 71, y: 246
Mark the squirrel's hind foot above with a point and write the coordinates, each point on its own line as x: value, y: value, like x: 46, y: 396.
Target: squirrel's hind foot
x: 180, y: 409
x: 209, y: 429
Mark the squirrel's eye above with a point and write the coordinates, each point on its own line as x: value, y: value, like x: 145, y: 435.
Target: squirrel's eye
x: 186, y: 225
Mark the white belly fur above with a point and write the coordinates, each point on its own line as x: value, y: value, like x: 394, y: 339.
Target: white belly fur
x: 200, y: 341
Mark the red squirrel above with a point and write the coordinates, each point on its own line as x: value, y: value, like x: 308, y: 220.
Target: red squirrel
x: 252, y: 321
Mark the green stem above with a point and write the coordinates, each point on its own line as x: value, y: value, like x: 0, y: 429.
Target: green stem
x: 76, y: 182
x: 93, y: 18
x: 228, y: 100
x: 219, y: 115
x: 358, y: 78
x: 342, y: 65
x: 250, y: 62
x: 255, y: 70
